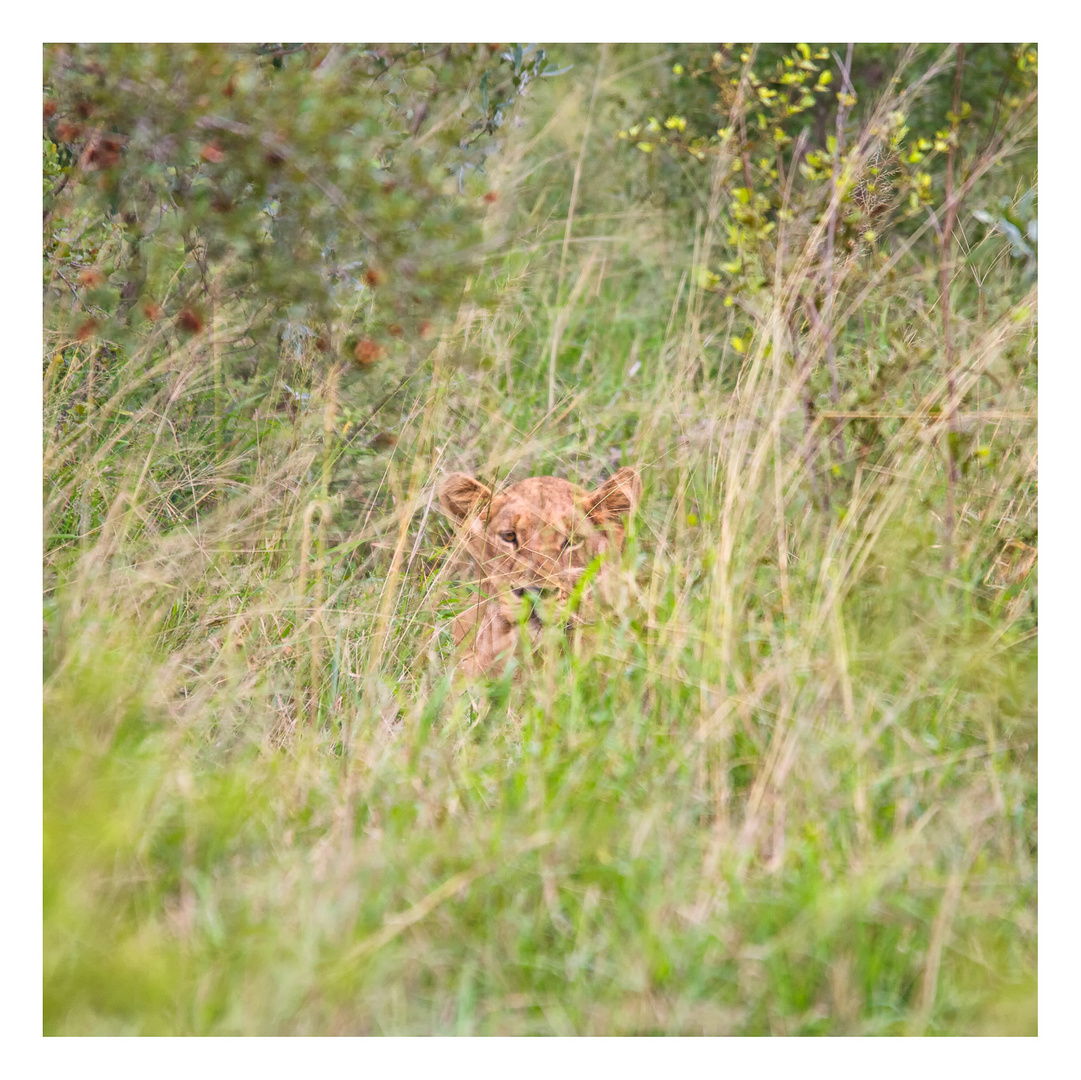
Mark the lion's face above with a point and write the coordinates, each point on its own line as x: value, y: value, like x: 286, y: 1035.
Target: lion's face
x: 533, y: 541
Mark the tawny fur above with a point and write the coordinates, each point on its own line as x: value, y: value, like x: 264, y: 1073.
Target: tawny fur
x: 531, y: 544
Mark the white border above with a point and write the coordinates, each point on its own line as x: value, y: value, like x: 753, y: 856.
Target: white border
x: 554, y: 21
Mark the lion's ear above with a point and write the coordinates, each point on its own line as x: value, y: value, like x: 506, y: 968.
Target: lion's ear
x: 615, y: 498
x: 460, y: 495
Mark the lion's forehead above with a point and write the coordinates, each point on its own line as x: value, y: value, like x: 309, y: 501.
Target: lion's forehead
x: 537, y: 504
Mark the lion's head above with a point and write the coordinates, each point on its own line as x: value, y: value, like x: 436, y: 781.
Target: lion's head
x: 533, y: 541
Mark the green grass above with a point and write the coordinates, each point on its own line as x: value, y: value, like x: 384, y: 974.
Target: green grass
x: 787, y: 786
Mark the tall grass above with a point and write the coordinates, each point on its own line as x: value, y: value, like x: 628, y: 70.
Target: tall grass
x: 787, y: 786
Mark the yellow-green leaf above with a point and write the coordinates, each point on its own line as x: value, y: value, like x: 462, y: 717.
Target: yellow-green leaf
x: 705, y: 278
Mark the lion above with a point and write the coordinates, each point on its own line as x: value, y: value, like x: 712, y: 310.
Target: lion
x: 532, y: 544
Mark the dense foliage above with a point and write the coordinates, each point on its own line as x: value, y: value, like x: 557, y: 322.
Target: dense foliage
x: 787, y: 785
x: 307, y: 198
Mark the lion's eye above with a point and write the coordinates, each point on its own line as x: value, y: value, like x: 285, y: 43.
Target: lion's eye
x: 568, y: 545
x: 510, y: 536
